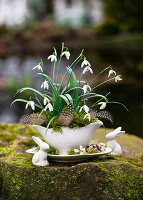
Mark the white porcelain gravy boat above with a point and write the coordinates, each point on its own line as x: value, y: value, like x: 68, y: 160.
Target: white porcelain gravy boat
x: 70, y: 138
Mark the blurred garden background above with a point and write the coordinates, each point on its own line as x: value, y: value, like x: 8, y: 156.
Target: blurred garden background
x: 109, y: 31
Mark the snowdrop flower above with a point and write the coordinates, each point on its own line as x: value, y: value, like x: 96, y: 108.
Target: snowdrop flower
x: 111, y: 72
x: 86, y: 69
x: 118, y: 78
x: 103, y: 105
x: 67, y: 54
x: 85, y: 88
x: 76, y: 150
x: 49, y: 106
x: 81, y: 150
x: 86, y: 63
x: 30, y: 103
x: 88, y: 116
x: 85, y: 108
x: 38, y: 67
x: 52, y: 58
x: 46, y: 100
x: 45, y: 85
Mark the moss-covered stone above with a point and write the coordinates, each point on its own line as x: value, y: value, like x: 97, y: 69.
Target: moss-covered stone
x: 99, y: 179
x: 107, y: 177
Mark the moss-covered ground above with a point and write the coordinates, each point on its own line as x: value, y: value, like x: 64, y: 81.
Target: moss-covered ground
x: 107, y: 177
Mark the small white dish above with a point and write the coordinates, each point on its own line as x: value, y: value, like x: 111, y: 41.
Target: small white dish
x: 76, y: 157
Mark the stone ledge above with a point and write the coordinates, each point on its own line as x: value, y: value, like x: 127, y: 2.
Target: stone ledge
x: 107, y: 177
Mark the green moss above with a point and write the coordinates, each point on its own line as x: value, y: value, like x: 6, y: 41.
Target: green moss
x: 120, y: 177
x: 105, y: 191
x: 142, y: 156
x: 72, y: 152
x: 79, y: 121
x: 52, y: 151
x: 4, y: 151
x: 110, y: 179
x: 93, y: 151
x: 28, y: 143
x: 104, y: 171
x: 56, y: 125
x: 69, y: 182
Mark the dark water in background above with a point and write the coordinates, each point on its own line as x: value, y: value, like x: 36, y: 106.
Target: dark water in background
x: 129, y: 91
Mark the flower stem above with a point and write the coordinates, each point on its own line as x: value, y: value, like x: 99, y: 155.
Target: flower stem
x: 54, y: 66
x: 59, y: 62
x: 103, y: 83
x: 99, y: 74
x: 95, y: 104
x: 74, y: 63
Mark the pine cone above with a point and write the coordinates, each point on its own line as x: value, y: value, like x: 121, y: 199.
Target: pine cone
x: 66, y: 115
x: 32, y: 118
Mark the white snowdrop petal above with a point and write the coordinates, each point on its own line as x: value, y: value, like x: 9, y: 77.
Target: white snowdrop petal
x: 32, y: 105
x: 68, y: 55
x: 90, y: 70
x: 52, y: 58
x: 89, y: 87
x: 81, y: 109
x: 118, y: 78
x: 86, y: 69
x: 45, y: 85
x: 63, y: 53
x: 46, y: 100
x: 103, y: 105
x: 38, y: 67
x: 84, y: 89
x: 111, y: 72
x: 27, y: 105
x: 88, y: 116
x: 86, y: 63
x: 82, y: 64
x: 49, y: 57
x: 86, y: 108
x: 50, y: 107
x: 76, y: 150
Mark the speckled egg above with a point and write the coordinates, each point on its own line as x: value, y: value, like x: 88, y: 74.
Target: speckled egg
x: 91, y: 146
x: 101, y: 146
x: 94, y: 148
